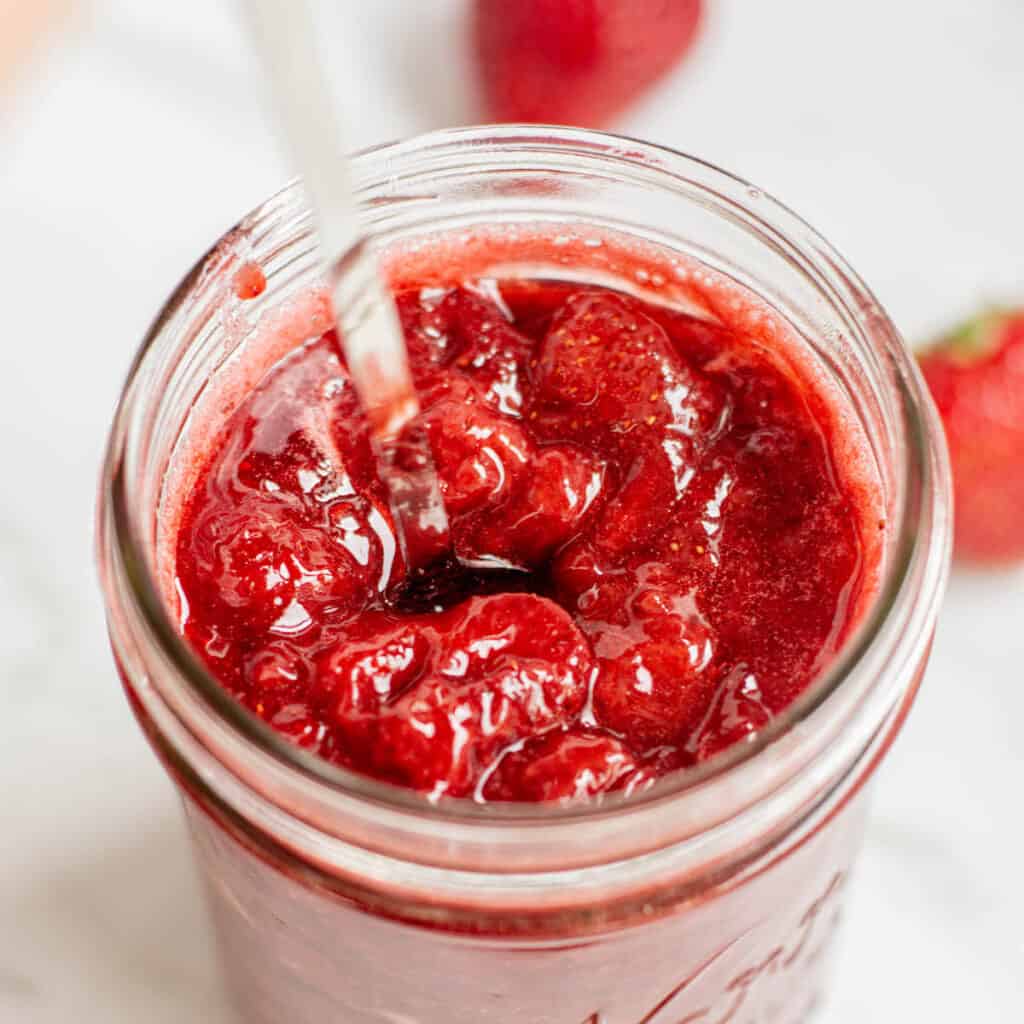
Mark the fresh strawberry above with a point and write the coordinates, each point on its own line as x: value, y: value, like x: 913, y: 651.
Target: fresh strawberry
x: 576, y: 61
x: 976, y: 376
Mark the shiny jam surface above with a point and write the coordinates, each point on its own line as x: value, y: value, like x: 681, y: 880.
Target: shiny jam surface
x: 698, y: 547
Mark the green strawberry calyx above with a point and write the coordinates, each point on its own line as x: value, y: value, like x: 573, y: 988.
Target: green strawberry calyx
x: 978, y: 337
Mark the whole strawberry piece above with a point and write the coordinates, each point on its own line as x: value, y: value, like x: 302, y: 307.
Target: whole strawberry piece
x: 976, y: 376
x: 576, y: 61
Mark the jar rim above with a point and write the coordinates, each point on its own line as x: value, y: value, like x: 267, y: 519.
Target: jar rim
x: 922, y: 483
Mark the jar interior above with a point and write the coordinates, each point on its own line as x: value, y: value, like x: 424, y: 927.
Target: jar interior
x: 224, y: 346
x: 208, y: 349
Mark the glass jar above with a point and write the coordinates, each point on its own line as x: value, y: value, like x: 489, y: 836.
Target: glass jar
x: 710, y: 898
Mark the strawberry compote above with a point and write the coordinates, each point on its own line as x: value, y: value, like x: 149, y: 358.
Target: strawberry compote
x: 697, y: 546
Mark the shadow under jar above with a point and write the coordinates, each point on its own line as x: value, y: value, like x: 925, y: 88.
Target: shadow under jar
x: 712, y: 897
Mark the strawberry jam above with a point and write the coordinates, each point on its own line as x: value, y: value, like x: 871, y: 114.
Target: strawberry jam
x: 696, y: 547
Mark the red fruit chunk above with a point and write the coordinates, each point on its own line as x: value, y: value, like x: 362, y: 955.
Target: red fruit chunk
x: 488, y: 349
x: 368, y: 668
x: 653, y: 693
x: 655, y: 675
x: 431, y: 700
x: 471, y: 337
x: 563, y: 488
x: 296, y: 722
x: 266, y: 568
x: 576, y: 61
x: 608, y: 376
x: 276, y: 687
x: 608, y: 373
x: 507, y: 497
x: 737, y: 713
x: 277, y: 671
x: 480, y: 456
x: 562, y: 765
x: 976, y: 376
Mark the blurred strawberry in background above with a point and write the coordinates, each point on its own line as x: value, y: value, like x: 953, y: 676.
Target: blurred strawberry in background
x: 576, y: 61
x: 976, y: 375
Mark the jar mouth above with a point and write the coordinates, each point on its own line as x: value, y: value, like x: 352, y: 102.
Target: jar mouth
x: 921, y: 482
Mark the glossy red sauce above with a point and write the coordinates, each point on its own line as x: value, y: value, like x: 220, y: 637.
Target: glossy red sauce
x: 697, y: 548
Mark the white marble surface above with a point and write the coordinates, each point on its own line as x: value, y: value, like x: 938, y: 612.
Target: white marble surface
x: 894, y: 127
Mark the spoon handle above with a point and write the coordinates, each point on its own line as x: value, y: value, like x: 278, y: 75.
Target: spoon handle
x: 368, y: 326
x: 314, y: 131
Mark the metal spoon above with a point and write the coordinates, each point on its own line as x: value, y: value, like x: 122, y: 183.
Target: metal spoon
x: 366, y: 319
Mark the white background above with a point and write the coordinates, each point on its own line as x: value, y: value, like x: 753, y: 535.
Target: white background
x: 894, y: 126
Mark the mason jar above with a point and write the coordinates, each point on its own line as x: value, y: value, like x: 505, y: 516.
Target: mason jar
x: 713, y: 896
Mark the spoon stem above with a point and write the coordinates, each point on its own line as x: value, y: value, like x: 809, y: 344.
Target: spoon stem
x: 368, y: 326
